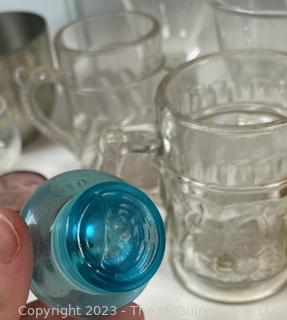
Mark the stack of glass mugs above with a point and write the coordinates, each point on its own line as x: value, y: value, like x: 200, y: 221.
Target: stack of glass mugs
x: 212, y: 146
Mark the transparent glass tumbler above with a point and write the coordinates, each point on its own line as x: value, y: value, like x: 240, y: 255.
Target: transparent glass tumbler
x: 244, y: 24
x: 10, y: 139
x: 187, y: 27
x: 223, y: 121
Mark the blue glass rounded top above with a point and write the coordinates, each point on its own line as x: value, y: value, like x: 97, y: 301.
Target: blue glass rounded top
x: 109, y: 238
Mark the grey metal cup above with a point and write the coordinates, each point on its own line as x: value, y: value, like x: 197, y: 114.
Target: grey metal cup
x: 24, y: 45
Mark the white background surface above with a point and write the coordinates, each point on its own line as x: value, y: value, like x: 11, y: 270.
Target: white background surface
x: 164, y: 298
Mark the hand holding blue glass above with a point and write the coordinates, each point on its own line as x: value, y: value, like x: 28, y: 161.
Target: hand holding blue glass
x: 97, y: 241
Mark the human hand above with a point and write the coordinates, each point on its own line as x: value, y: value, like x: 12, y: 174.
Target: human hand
x: 16, y: 263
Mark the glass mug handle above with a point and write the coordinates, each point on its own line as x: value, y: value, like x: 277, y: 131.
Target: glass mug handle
x: 118, y: 143
x: 28, y: 88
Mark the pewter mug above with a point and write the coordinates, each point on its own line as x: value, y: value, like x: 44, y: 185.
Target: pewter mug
x: 24, y: 46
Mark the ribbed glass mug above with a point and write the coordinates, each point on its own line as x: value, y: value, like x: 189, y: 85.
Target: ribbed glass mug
x: 108, y: 66
x: 223, y: 120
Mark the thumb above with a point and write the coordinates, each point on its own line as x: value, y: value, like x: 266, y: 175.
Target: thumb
x: 15, y: 264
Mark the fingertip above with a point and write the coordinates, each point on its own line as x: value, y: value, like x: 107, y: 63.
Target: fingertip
x: 15, y: 263
x: 19, y: 224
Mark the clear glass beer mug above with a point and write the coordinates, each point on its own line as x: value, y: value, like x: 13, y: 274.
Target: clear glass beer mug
x: 245, y: 24
x: 109, y: 66
x: 223, y: 121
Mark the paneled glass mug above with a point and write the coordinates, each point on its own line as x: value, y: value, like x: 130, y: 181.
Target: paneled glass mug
x: 109, y: 67
x: 223, y: 123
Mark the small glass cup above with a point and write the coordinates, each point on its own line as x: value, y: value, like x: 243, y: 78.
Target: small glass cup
x: 109, y: 69
x: 187, y: 27
x: 223, y: 122
x: 10, y: 139
x: 245, y: 24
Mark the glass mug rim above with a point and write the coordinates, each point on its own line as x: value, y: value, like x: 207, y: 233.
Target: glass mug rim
x: 152, y: 32
x: 239, y: 9
x: 162, y: 100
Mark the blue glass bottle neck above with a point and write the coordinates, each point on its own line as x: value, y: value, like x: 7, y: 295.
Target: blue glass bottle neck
x: 110, y: 237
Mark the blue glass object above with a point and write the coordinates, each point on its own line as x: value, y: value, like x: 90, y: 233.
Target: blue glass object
x: 97, y: 241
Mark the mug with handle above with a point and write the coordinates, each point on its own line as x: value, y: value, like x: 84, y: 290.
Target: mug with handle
x: 109, y: 65
x: 25, y: 45
x: 223, y: 121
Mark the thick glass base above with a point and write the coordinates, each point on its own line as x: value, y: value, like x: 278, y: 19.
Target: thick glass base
x: 230, y: 293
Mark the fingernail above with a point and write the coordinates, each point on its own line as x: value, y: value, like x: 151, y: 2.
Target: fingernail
x: 9, y: 240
